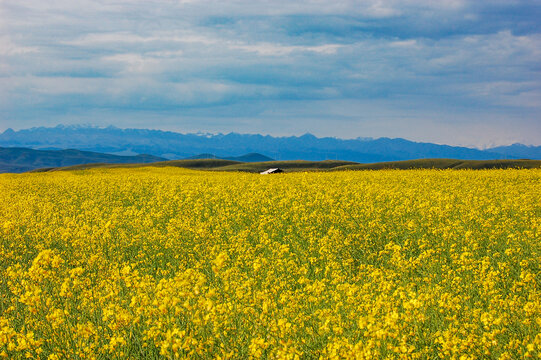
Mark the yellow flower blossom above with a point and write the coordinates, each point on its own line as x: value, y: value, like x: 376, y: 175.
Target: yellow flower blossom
x: 179, y: 264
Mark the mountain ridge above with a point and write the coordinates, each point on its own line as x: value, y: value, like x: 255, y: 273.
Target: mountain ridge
x: 251, y: 157
x: 172, y: 145
x: 17, y: 159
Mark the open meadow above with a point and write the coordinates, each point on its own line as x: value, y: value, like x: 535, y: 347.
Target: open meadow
x: 148, y: 263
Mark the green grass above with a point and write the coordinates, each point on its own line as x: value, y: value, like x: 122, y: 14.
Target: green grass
x: 445, y: 164
x: 303, y: 165
x: 189, y: 164
x: 289, y: 166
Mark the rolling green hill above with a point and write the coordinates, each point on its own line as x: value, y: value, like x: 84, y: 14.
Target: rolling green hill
x: 445, y: 164
x: 203, y: 164
x: 327, y: 165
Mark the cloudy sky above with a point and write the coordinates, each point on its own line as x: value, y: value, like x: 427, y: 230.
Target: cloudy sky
x: 449, y: 71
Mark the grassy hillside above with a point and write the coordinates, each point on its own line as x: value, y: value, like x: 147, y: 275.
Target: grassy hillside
x: 445, y: 164
x: 221, y: 165
x: 302, y: 165
x: 288, y: 166
x: 203, y: 164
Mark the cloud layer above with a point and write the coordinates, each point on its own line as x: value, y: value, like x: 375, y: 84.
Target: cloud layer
x: 456, y: 72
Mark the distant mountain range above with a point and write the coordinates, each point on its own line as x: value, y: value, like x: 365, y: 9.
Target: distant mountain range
x: 252, y: 157
x: 171, y: 145
x: 22, y: 159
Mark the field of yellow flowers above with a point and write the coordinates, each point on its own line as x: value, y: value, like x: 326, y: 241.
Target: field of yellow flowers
x: 169, y: 263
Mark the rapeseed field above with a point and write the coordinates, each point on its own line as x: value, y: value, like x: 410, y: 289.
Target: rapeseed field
x: 168, y: 263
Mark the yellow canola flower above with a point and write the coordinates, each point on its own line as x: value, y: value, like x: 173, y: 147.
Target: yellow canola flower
x: 180, y: 264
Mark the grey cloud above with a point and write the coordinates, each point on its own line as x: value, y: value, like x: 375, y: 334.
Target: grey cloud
x: 211, y: 59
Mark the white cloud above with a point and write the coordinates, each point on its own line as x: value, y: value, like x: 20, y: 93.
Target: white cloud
x: 135, y: 63
x: 410, y: 43
x: 9, y: 48
x: 505, y: 93
x: 95, y: 39
x: 269, y: 49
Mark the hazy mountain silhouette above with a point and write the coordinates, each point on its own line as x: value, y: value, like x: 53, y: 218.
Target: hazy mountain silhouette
x: 252, y: 157
x: 173, y: 145
x: 518, y: 151
x: 16, y: 159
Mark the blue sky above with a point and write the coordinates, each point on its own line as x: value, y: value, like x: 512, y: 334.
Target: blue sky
x: 455, y: 72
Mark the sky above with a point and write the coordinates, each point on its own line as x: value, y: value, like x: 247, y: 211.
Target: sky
x: 455, y: 72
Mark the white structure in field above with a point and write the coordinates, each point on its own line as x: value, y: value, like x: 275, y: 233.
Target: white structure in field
x: 272, y: 171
